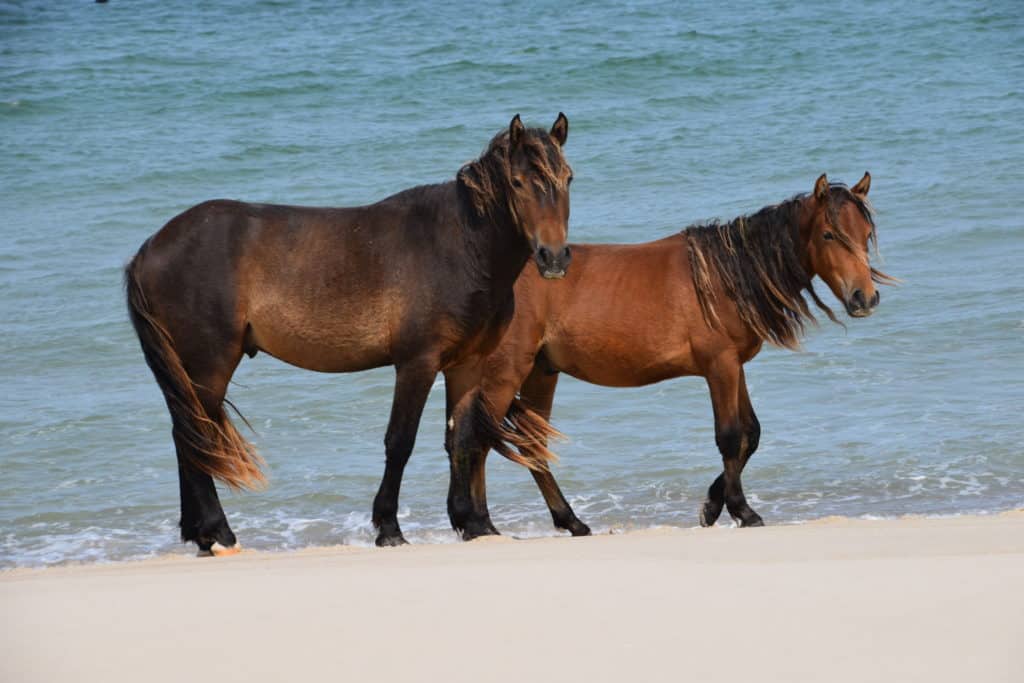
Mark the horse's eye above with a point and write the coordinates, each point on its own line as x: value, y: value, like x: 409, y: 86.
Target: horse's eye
x: 829, y: 236
x: 517, y: 182
x: 569, y: 181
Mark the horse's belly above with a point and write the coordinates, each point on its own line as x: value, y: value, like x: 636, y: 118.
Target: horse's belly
x: 620, y: 365
x: 359, y: 340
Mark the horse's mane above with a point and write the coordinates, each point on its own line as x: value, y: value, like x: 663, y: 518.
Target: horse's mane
x: 757, y: 260
x: 488, y: 180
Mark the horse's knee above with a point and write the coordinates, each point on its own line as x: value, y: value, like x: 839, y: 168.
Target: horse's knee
x: 398, y: 447
x: 753, y: 435
x: 737, y: 442
x: 731, y: 441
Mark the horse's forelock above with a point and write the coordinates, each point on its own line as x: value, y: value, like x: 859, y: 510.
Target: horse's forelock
x: 867, y: 210
x: 489, y: 177
x: 842, y: 193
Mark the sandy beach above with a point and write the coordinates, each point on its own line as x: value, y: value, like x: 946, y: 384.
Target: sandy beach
x: 834, y: 600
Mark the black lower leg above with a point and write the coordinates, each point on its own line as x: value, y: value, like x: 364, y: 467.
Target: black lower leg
x: 479, y: 523
x: 460, y: 503
x: 737, y: 505
x: 202, y: 518
x: 737, y: 444
x: 745, y: 516
x: 412, y: 385
x: 562, y: 513
x: 467, y: 493
x: 385, y: 505
x: 714, y: 502
x: 736, y: 434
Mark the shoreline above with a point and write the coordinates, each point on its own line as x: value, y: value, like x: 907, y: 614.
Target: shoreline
x: 615, y: 530
x: 915, y: 598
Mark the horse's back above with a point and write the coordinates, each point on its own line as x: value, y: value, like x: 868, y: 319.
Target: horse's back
x: 315, y: 287
x: 624, y: 315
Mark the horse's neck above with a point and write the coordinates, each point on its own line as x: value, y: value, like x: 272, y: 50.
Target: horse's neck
x: 801, y: 232
x: 798, y: 227
x: 765, y: 274
x: 509, y: 254
x: 500, y: 250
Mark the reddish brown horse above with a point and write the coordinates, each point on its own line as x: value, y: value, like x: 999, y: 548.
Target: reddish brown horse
x: 700, y: 302
x: 421, y: 280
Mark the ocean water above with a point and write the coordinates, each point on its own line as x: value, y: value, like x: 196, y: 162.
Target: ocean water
x: 115, y: 117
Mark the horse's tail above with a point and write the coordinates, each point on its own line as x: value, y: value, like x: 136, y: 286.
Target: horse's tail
x: 215, y: 446
x: 521, y: 436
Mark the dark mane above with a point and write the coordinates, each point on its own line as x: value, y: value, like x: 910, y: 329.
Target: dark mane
x: 488, y: 181
x: 757, y: 259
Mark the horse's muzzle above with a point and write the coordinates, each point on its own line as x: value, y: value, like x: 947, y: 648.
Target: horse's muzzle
x: 859, y: 306
x: 552, y: 266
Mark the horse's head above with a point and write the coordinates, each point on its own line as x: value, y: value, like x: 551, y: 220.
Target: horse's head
x: 837, y: 235
x: 539, y: 180
x: 525, y: 175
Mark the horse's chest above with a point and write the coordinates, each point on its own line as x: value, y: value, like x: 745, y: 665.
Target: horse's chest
x: 482, y: 333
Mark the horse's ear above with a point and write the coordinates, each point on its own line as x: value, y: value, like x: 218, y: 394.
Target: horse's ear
x: 515, y: 131
x: 862, y: 187
x: 560, y: 130
x: 821, y: 188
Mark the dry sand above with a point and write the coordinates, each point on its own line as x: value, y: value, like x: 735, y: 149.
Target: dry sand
x: 837, y: 600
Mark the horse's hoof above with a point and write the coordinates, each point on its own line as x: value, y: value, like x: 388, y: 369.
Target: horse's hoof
x: 751, y: 520
x: 580, y: 530
x: 709, y: 514
x: 474, y: 531
x: 576, y: 528
x: 218, y: 550
x: 392, y: 541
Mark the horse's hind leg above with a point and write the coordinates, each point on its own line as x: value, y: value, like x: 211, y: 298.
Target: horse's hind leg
x: 538, y: 392
x: 737, y: 433
x: 192, y: 344
x: 202, y: 518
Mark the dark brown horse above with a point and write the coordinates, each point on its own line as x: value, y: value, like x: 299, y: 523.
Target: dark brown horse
x: 700, y: 302
x: 422, y: 280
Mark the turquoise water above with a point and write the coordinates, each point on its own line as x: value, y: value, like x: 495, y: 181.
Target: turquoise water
x: 115, y: 117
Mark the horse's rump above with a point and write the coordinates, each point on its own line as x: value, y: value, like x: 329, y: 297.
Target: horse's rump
x: 216, y: 446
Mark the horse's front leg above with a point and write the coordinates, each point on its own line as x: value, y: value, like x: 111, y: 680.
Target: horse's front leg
x: 737, y: 433
x: 412, y: 386
x: 467, y: 453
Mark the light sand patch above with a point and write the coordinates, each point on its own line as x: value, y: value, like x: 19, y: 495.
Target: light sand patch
x: 913, y: 599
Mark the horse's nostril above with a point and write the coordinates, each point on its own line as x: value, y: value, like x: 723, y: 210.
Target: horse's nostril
x: 544, y: 256
x: 857, y: 299
x: 566, y: 255
x: 875, y: 299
